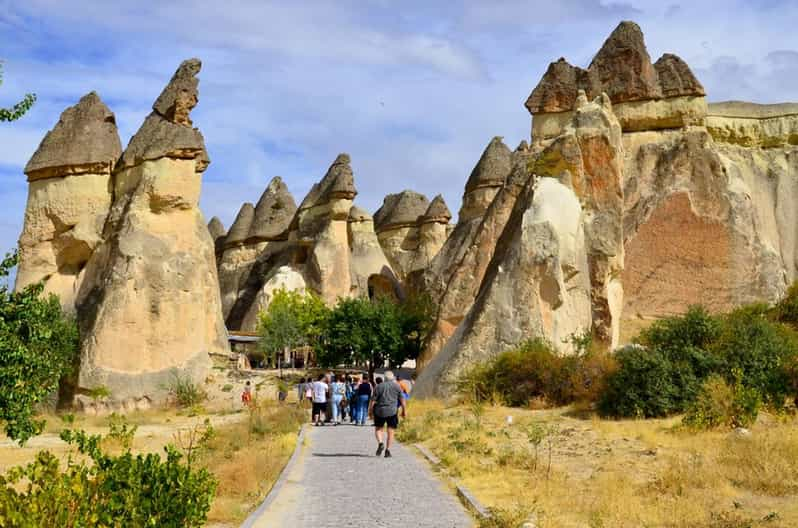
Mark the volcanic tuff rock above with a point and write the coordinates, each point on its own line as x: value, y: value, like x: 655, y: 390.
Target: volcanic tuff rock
x: 633, y: 199
x: 327, y: 246
x: 454, y: 275
x: 150, y: 301
x: 69, y: 196
x: 645, y: 96
x: 677, y: 202
x: 554, y: 264
x: 397, y: 226
x: 218, y: 234
x: 255, y: 228
x: 370, y: 272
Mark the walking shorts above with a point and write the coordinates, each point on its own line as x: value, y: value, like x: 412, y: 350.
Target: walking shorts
x: 391, y: 421
x: 319, y: 408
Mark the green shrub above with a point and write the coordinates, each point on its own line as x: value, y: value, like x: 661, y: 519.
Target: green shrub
x: 685, y: 343
x: 184, y: 391
x: 535, y: 371
x: 761, y: 349
x: 720, y: 404
x: 124, y: 490
x: 643, y: 386
x: 786, y: 310
x: 746, y: 347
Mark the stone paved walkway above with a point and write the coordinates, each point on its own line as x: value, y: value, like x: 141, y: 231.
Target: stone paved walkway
x: 337, y: 481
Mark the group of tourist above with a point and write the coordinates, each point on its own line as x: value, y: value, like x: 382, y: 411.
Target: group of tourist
x: 336, y: 398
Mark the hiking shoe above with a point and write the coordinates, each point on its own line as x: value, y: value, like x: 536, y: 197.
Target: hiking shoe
x: 388, y: 453
x: 380, y: 448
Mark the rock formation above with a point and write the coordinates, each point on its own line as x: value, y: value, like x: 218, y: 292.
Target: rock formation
x: 254, y: 229
x: 218, y: 234
x: 326, y: 245
x: 635, y: 199
x: 149, y: 304
x: 453, y: 277
x: 69, y: 197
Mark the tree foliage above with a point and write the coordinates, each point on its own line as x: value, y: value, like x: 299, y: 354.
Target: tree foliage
x: 293, y: 319
x: 369, y: 332
x: 19, y: 109
x: 38, y: 346
x: 98, y: 489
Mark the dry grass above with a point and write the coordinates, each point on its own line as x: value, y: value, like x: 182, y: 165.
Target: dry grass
x: 614, y: 473
x: 247, y: 457
x: 246, y: 451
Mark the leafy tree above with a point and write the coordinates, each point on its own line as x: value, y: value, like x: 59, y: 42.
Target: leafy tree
x: 38, y: 346
x: 347, y: 338
x: 19, y: 109
x: 369, y: 332
x: 293, y: 319
x: 415, y: 318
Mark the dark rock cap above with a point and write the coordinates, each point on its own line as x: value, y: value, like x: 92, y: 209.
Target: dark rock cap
x: 557, y: 89
x: 85, y: 139
x: 493, y: 166
x: 401, y: 209
x: 181, y: 95
x: 167, y: 131
x: 239, y: 231
x: 273, y: 213
x: 216, y: 228
x: 437, y: 211
x: 622, y: 69
x: 676, y: 78
x: 356, y: 214
x: 338, y: 183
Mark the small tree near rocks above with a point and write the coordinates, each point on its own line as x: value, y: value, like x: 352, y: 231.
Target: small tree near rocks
x: 38, y: 347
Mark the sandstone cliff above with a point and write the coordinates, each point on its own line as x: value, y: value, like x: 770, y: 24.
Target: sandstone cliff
x: 149, y: 304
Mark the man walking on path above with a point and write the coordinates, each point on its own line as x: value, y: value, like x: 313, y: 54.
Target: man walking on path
x: 384, y: 406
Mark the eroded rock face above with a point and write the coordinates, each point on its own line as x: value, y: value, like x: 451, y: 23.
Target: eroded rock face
x: 149, y: 305
x: 69, y: 195
x: 554, y: 264
x: 254, y: 229
x: 370, y: 271
x: 326, y: 246
x: 397, y: 224
x: 454, y: 276
x: 321, y: 225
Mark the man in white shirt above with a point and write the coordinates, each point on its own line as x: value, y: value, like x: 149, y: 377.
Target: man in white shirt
x: 319, y: 400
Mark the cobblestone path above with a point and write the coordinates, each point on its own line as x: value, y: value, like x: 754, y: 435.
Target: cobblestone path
x: 337, y: 481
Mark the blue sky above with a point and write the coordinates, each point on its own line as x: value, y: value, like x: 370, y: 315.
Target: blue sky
x: 412, y: 90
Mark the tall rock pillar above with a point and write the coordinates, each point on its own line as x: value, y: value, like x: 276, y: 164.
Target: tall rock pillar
x: 149, y: 305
